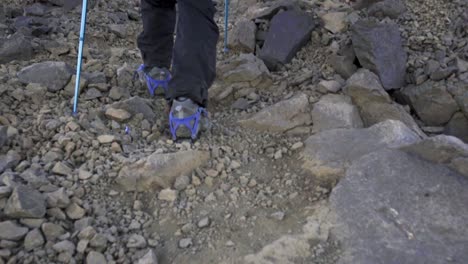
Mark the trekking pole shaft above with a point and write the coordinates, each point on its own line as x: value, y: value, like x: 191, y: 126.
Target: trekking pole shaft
x: 80, y: 54
x: 226, y: 24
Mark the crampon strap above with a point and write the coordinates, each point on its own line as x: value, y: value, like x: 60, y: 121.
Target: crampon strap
x: 152, y: 83
x: 175, y: 123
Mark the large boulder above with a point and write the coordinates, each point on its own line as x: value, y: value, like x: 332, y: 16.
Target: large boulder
x: 52, y: 74
x: 282, y: 116
x: 431, y: 101
x: 374, y: 103
x: 392, y: 207
x: 335, y: 111
x: 329, y: 153
x: 289, y: 31
x: 160, y: 170
x: 379, y: 48
x: 442, y: 149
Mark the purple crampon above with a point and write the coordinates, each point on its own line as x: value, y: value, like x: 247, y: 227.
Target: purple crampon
x: 175, y: 123
x: 154, y: 84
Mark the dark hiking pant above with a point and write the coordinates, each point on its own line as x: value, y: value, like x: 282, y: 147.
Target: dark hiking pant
x: 193, y: 55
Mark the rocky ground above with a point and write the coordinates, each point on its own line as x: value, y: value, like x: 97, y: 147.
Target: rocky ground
x: 339, y: 136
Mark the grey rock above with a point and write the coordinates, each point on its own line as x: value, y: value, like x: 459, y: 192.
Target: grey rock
x: 87, y: 233
x: 432, y: 102
x: 95, y: 77
x: 389, y: 8
x: 118, y: 115
x: 328, y: 153
x: 120, y: 30
x: 374, y: 103
x: 58, y: 198
x: 61, y: 168
x: 373, y: 113
x: 32, y: 222
x: 9, y: 230
x: 141, y: 177
x: 125, y: 76
x: 458, y: 127
x: 443, y: 73
x: 185, y: 243
x: 246, y: 68
x: 181, y: 182
x: 167, y: 195
x: 272, y: 8
x: 52, y: 231
x: 83, y: 223
x: 25, y: 202
x: 364, y: 86
x: 95, y: 257
x: 459, y: 91
x: 75, y: 211
x: 361, y: 4
x: 52, y: 74
x: 438, y: 149
x: 92, y: 93
x: 5, y: 191
x: 136, y: 241
x: 9, y: 161
x: 278, y: 215
x: 117, y: 93
x: 36, y: 26
x: 34, y: 239
x: 148, y: 258
x: 70, y: 87
x: 242, y: 104
x: 335, y: 111
x: 16, y: 47
x: 106, y: 139
x: 462, y: 65
x: 3, y: 135
x: 428, y: 214
x: 65, y: 3
x: 282, y: 116
x: 36, y: 9
x: 460, y: 165
x: 204, y: 222
x: 99, y: 241
x: 136, y: 105
x: 64, y: 246
x: 289, y: 31
x: 242, y: 37
x: 343, y: 64
x: 379, y: 48
x: 329, y: 86
x: 335, y: 22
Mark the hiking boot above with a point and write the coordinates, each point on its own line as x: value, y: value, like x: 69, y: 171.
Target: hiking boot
x: 154, y: 77
x: 187, y: 119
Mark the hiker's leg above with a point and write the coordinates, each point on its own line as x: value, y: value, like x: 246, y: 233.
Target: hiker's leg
x: 157, y: 39
x: 194, y: 62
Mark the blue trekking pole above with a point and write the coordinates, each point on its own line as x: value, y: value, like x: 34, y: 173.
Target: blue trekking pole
x: 226, y: 20
x: 80, y: 55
